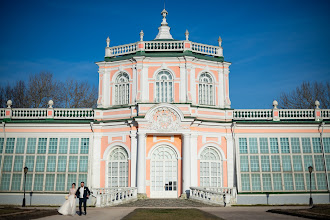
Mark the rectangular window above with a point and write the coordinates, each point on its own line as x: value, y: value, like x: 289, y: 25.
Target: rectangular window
x: 327, y: 160
x: 84, y: 145
x: 52, y: 146
x: 40, y: 164
x: 288, y: 181
x: 308, y: 161
x: 276, y: 165
x: 273, y: 145
x: 306, y: 145
x: 265, y: 165
x: 28, y: 184
x: 267, y: 182
x: 245, y: 179
x: 29, y: 163
x: 297, y: 163
x: 20, y: 146
x: 326, y: 144
x: 31, y: 145
x: 285, y: 148
x: 16, y: 182
x: 254, y: 161
x: 243, y: 146
x: 73, y: 163
x: 74, y: 145
x: 63, y: 149
x: 263, y: 145
x: 256, y: 185
x: 60, y: 182
x: 295, y: 145
x: 10, y: 144
x: 5, y: 181
x: 83, y: 178
x: 50, y: 179
x: 253, y: 145
x: 83, y: 164
x: 286, y: 163
x: 299, y: 179
x: 7, y: 163
x: 61, y: 164
x: 72, y: 178
x: 42, y: 145
x: 244, y: 164
x: 18, y: 164
x: 51, y: 163
x: 2, y: 140
x: 277, y: 181
x: 321, y: 181
x: 316, y: 145
x: 319, y: 163
x: 38, y: 182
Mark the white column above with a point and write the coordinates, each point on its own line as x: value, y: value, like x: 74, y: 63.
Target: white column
x: 141, y: 163
x: 222, y: 88
x: 133, y: 158
x: 145, y: 84
x: 230, y: 160
x: 106, y: 90
x: 96, y: 162
x: 183, y: 90
x: 193, y: 160
x: 186, y: 168
x: 193, y: 85
x: 134, y: 84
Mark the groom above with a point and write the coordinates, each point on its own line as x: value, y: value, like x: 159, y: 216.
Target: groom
x: 83, y: 194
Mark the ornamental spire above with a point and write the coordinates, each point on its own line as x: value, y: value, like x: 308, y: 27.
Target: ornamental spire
x: 164, y: 29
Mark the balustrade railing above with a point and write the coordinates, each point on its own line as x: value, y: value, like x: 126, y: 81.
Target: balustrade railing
x: 325, y: 113
x: 296, y: 113
x: 253, y: 114
x: 164, y: 46
x: 205, y: 49
x: 62, y: 113
x: 114, y: 196
x: 220, y: 195
x: 150, y: 46
x: 29, y: 113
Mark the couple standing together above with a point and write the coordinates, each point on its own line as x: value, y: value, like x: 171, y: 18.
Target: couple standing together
x: 69, y: 206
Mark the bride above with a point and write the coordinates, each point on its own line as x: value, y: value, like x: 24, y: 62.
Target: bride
x: 69, y: 206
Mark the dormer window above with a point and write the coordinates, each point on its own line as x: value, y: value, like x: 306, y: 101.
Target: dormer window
x: 206, y: 89
x: 122, y: 89
x: 164, y: 87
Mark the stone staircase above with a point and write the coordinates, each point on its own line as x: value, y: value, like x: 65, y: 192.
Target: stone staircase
x: 180, y: 203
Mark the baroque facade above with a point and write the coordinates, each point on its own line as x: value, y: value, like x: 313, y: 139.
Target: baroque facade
x: 164, y: 128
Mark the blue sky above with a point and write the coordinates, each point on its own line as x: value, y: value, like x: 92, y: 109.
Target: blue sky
x: 273, y: 45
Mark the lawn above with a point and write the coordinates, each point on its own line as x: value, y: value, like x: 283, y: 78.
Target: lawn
x: 316, y: 212
x: 169, y: 214
x: 10, y: 212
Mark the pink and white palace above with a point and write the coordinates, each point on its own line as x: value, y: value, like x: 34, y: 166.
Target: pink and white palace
x: 164, y: 128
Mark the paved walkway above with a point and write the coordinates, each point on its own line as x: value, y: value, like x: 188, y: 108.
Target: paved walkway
x: 228, y: 213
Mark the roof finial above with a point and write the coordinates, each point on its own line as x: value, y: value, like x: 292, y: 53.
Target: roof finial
x: 164, y: 29
x: 141, y: 35
x: 187, y: 35
x: 220, y: 41
x: 164, y: 13
x: 108, y: 41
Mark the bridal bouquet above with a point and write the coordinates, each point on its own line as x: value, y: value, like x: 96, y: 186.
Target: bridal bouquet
x: 66, y: 197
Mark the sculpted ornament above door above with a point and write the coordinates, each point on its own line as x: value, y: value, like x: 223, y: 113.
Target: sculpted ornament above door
x: 165, y: 119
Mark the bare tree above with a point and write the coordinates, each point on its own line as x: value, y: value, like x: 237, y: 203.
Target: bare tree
x: 19, y: 95
x: 305, y: 95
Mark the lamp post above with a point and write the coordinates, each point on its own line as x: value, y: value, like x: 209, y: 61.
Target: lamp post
x: 310, y: 169
x: 25, y: 172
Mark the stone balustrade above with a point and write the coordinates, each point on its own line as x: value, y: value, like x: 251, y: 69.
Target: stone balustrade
x: 114, y: 196
x: 74, y: 113
x: 158, y: 46
x: 214, y: 195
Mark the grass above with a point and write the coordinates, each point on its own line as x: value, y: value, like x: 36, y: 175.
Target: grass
x: 316, y: 212
x: 11, y: 212
x: 169, y: 214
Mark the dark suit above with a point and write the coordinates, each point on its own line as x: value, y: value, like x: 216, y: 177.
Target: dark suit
x: 84, y: 198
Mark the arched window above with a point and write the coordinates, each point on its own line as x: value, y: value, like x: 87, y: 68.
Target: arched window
x: 164, y: 87
x: 206, y: 89
x: 118, y: 168
x: 122, y: 89
x: 210, y: 168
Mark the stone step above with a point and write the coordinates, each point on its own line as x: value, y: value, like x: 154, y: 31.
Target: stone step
x: 165, y: 203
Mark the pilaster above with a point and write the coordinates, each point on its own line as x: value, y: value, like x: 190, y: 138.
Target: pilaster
x: 186, y: 164
x: 133, y: 137
x: 141, y: 163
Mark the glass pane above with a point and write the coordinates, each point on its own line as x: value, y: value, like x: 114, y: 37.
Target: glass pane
x: 277, y: 181
x: 297, y: 163
x: 38, y: 182
x: 321, y: 181
x: 319, y: 163
x: 20, y: 145
x: 63, y: 145
x: 73, y: 163
x: 29, y: 163
x: 18, y: 165
x: 245, y: 179
x: 74, y: 145
x: 306, y: 145
x: 40, y: 164
x: 267, y: 182
x: 16, y: 182
x: 273, y: 145
x: 243, y: 146
x: 42, y: 145
x: 51, y: 163
x: 28, y: 184
x: 10, y: 144
x: 5, y: 182
x: 285, y: 148
x: 84, y: 145
x: 60, y: 182
x: 61, y: 167
x: 316, y: 145
x: 52, y: 146
x: 31, y: 145
x: 295, y: 145
x: 299, y: 179
x: 83, y: 164
x: 286, y: 163
x: 7, y: 163
x: 254, y: 161
x: 265, y: 165
x: 256, y: 185
x: 276, y: 165
x: 49, y: 184
x: 253, y: 145
x: 244, y: 163
x: 263, y: 145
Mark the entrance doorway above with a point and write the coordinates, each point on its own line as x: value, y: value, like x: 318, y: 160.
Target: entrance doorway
x: 164, y: 173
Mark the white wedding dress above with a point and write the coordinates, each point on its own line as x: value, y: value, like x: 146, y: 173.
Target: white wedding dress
x: 69, y: 206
